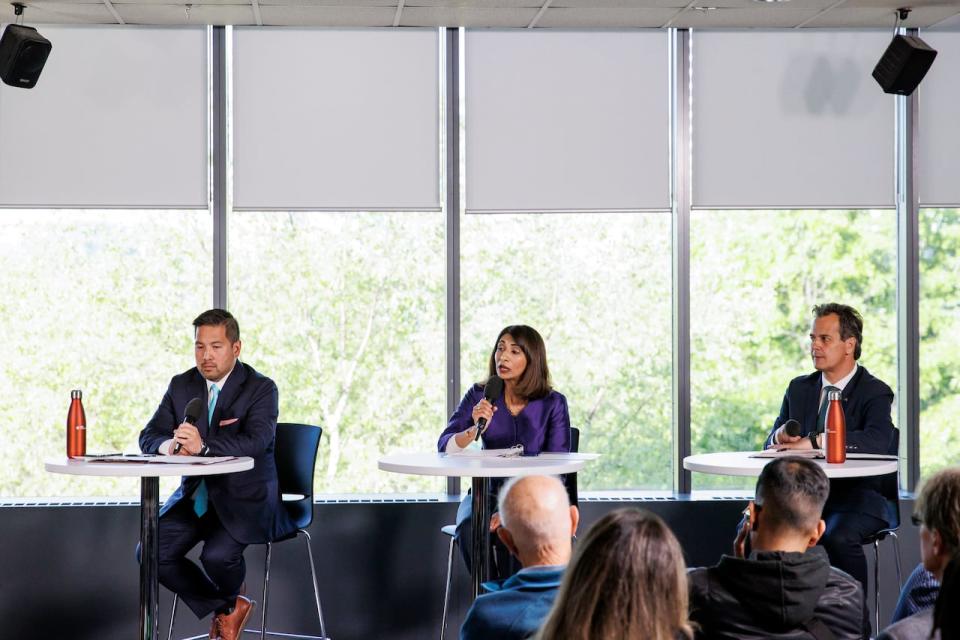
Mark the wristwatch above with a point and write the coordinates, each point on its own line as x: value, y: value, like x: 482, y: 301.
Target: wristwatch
x: 813, y: 440
x: 204, y: 449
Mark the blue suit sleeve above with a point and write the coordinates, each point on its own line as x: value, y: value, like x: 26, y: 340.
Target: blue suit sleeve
x: 161, y: 426
x: 258, y: 426
x: 783, y: 417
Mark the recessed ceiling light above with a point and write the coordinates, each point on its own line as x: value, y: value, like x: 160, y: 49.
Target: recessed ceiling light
x: 704, y: 8
x: 770, y: 1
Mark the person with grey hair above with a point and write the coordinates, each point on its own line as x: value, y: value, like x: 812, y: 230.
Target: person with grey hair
x: 537, y: 524
x: 786, y: 588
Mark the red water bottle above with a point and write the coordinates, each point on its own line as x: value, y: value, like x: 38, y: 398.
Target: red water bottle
x: 76, y: 426
x: 835, y: 430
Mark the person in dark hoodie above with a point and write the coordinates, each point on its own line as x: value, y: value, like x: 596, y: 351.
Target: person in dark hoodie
x: 786, y: 588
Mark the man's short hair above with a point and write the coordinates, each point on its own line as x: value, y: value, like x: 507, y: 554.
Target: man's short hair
x: 851, y: 322
x: 938, y: 506
x: 218, y: 318
x: 791, y: 491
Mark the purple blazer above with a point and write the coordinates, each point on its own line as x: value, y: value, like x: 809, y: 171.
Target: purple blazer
x: 543, y: 425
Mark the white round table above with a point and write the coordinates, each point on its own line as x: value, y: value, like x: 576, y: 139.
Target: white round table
x: 744, y: 463
x: 480, y: 468
x: 149, y: 474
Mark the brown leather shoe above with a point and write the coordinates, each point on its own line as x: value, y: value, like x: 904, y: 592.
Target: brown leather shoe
x: 230, y: 625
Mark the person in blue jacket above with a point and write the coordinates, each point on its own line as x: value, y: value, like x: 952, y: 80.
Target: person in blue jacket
x: 537, y: 526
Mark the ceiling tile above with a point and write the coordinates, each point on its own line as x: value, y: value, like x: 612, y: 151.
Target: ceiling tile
x: 763, y: 17
x: 881, y: 18
x: 60, y: 13
x: 465, y: 17
x: 605, y: 18
x: 312, y: 16
x: 167, y: 14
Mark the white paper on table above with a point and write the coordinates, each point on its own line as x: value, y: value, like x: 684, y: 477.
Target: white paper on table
x: 156, y: 459
x: 512, y: 452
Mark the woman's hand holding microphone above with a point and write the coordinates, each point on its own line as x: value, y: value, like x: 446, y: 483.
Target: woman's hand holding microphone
x: 482, y: 409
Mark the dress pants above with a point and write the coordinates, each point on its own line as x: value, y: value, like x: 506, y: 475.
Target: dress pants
x: 216, y: 585
x: 843, y: 540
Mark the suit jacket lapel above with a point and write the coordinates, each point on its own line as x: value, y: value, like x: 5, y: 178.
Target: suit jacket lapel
x: 811, y: 403
x: 229, y: 392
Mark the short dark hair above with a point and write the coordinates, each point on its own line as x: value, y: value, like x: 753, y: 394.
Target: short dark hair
x: 851, y: 322
x: 534, y: 382
x: 218, y: 318
x: 792, y: 491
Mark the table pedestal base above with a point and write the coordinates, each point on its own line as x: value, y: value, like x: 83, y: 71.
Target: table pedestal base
x: 149, y: 552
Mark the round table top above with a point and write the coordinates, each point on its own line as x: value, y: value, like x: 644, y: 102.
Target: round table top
x: 87, y: 467
x: 744, y: 463
x: 474, y: 466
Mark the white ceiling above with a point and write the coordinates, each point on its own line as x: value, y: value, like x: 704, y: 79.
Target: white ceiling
x: 726, y: 14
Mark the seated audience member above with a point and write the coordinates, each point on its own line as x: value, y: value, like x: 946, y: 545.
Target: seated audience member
x: 537, y: 525
x: 937, y: 513
x: 627, y: 581
x: 919, y: 593
x: 786, y: 588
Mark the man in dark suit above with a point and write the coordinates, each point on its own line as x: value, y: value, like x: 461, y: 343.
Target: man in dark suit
x: 855, y: 508
x: 226, y: 512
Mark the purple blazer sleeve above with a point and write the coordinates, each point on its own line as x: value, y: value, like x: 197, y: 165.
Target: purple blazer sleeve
x: 462, y: 418
x: 557, y: 438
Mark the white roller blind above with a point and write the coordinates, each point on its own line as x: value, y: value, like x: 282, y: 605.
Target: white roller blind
x: 118, y: 119
x: 939, y: 123
x: 791, y: 119
x: 566, y: 120
x: 336, y: 119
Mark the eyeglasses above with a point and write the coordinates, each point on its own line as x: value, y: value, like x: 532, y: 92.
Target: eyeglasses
x: 916, y: 520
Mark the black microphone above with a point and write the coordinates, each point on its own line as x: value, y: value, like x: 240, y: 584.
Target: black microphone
x: 190, y: 415
x: 792, y: 428
x: 492, y: 392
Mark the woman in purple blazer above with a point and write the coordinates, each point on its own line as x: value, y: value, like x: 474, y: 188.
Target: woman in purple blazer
x: 528, y: 413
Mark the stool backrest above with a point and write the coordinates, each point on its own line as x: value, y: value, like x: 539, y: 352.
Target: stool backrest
x: 295, y: 452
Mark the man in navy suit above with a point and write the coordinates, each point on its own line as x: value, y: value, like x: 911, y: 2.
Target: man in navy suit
x: 855, y: 508
x: 226, y: 512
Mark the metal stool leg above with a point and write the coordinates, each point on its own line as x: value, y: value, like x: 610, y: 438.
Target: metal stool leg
x: 173, y: 615
x: 266, y: 591
x: 316, y: 588
x: 876, y: 584
x: 896, y: 551
x: 446, y: 593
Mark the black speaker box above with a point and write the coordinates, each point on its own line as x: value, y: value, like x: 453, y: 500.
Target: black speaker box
x: 23, y: 53
x: 903, y: 65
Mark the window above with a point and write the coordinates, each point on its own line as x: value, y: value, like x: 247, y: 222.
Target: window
x: 597, y: 288
x: 99, y: 301
x: 345, y: 311
x: 939, y: 339
x: 755, y: 275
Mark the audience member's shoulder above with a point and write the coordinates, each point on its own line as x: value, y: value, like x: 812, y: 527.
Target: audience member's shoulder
x: 916, y: 626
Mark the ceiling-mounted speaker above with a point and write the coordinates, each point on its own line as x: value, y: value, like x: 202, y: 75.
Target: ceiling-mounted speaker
x: 903, y: 65
x: 23, y: 52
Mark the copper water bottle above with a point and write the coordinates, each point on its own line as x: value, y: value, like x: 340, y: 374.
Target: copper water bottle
x: 76, y: 426
x: 835, y: 430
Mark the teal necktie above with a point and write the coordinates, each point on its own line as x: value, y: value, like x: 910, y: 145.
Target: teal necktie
x: 200, y: 495
x: 822, y: 416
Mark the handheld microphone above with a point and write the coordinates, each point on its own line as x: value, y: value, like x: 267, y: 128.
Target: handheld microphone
x: 491, y: 391
x: 190, y: 415
x: 792, y: 428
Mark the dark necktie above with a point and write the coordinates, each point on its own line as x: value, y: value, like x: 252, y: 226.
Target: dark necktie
x: 822, y: 416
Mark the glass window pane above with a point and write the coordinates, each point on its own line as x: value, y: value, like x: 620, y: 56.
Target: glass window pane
x: 345, y: 311
x: 100, y: 301
x: 597, y: 288
x: 755, y: 275
x: 939, y: 339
